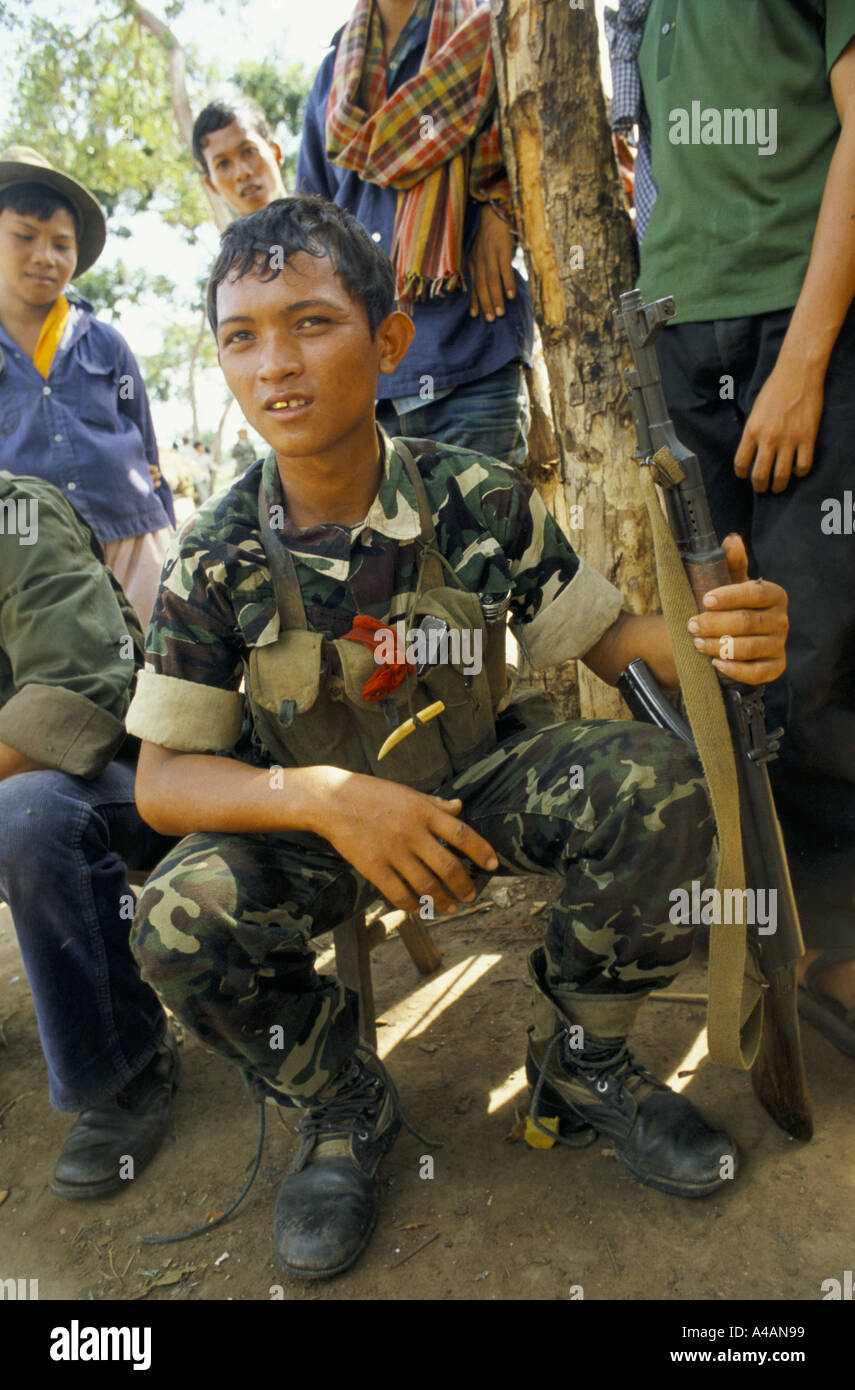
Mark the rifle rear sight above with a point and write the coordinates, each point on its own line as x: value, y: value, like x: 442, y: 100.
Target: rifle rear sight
x: 644, y: 322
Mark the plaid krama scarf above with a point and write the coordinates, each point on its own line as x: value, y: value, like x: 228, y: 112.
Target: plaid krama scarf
x: 434, y: 140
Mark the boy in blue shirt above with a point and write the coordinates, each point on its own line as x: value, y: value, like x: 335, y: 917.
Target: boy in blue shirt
x: 73, y: 407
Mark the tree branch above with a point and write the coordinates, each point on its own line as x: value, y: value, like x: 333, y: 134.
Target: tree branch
x: 218, y: 442
x: 220, y: 210
x: 191, y: 380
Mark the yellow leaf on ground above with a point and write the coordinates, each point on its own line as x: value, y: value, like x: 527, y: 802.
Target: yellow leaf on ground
x: 535, y: 1138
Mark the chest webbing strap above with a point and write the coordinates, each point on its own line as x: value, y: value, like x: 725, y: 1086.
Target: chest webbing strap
x: 289, y: 601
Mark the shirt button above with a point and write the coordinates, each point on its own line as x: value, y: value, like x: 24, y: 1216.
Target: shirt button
x: 58, y: 438
x: 667, y: 27
x: 375, y: 236
x: 45, y: 390
x: 71, y: 486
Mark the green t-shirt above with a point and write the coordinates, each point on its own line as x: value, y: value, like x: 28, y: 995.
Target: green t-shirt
x: 743, y: 128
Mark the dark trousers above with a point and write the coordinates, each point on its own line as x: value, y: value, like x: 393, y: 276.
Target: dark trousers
x: 64, y: 846
x: 814, y: 776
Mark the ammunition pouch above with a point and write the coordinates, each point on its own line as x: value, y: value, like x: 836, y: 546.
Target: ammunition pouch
x: 305, y: 689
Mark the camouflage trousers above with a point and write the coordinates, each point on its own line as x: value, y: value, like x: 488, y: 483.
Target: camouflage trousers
x: 619, y: 811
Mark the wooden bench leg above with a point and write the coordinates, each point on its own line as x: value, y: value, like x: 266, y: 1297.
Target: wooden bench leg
x: 420, y: 944
x: 353, y: 967
x: 353, y: 942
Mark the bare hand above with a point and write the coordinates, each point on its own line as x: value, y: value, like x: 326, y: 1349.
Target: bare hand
x: 781, y: 429
x: 156, y: 475
x: 490, y: 266
x: 744, y: 625
x: 391, y: 835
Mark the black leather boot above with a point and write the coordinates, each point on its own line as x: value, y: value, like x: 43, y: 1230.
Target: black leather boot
x: 94, y: 1157
x: 659, y: 1136
x: 327, y: 1206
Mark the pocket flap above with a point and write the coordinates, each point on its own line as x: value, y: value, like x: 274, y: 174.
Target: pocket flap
x: 357, y: 666
x: 96, y: 366
x: 458, y: 607
x: 287, y: 669
x: 463, y: 651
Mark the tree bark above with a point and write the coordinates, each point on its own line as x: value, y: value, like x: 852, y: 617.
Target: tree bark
x: 191, y: 375
x: 580, y: 251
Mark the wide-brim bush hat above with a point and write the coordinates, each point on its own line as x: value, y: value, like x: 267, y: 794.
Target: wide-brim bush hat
x: 20, y: 164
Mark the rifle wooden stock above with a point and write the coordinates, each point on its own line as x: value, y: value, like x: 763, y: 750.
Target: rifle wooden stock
x: 707, y: 572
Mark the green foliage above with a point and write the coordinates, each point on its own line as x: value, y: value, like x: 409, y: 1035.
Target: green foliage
x: 165, y: 371
x: 95, y: 100
x: 93, y: 95
x: 108, y: 288
x: 281, y: 92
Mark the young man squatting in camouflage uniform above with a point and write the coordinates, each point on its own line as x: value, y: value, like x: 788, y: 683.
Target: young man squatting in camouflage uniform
x: 265, y: 583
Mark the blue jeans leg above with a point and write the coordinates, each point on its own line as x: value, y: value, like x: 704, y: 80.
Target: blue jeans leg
x: 61, y: 873
x: 491, y: 415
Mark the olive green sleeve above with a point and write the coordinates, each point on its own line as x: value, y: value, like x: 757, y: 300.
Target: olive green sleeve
x: 839, y: 29
x: 68, y: 665
x: 55, y: 727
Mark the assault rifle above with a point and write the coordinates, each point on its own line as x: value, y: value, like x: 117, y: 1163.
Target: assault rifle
x: 778, y: 1073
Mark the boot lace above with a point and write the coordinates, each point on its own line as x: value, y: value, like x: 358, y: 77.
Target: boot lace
x: 617, y: 1067
x: 353, y: 1109
x: 355, y: 1105
x: 614, y: 1069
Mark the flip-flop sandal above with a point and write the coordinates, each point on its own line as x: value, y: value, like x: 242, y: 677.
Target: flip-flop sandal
x: 828, y: 1017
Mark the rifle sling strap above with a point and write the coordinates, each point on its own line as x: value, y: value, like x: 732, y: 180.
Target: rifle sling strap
x: 735, y: 1009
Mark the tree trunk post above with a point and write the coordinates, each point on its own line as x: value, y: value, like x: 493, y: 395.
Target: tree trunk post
x: 580, y: 252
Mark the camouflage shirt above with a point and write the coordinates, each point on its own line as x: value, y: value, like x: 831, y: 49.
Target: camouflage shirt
x: 216, y: 598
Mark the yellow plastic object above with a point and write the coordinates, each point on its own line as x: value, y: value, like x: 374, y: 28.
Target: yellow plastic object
x: 407, y: 728
x: 535, y: 1138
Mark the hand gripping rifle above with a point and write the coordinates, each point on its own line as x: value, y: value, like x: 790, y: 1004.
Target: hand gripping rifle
x: 752, y: 1017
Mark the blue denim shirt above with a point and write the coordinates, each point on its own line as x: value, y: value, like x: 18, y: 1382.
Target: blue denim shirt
x: 450, y: 347
x: 87, y: 428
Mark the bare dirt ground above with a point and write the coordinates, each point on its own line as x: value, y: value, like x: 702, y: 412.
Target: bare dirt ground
x: 497, y: 1219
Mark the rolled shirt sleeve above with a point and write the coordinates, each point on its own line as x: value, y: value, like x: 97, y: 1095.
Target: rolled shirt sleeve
x: 67, y: 654
x: 184, y: 715
x: 573, y: 622
x: 59, y: 729
x: 187, y: 696
x: 561, y: 606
